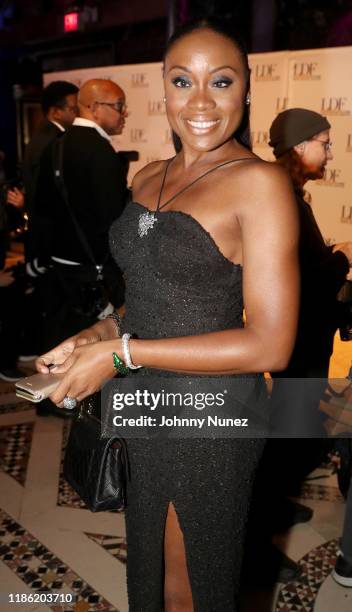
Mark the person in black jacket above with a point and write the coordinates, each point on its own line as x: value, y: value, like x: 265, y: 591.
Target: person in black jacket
x: 59, y: 105
x: 301, y: 142
x: 94, y: 176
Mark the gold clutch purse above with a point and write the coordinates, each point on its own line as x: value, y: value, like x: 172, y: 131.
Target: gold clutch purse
x: 37, y: 387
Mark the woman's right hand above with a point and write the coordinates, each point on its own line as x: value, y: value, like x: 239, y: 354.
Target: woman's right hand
x: 59, y: 354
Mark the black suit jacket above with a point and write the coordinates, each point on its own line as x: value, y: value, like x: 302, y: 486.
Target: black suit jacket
x: 45, y: 135
x: 95, y: 180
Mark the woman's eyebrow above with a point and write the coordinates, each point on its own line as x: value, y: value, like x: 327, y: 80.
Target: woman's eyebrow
x: 179, y: 68
x: 217, y: 69
x: 222, y: 68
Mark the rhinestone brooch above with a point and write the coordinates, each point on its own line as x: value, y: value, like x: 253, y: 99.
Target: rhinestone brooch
x: 146, y: 222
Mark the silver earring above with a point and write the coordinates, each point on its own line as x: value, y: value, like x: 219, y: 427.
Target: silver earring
x: 248, y: 99
x: 164, y: 99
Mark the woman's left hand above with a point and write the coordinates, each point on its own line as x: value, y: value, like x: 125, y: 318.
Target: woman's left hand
x: 86, y: 370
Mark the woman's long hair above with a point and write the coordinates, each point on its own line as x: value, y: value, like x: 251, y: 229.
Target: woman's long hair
x: 226, y: 29
x: 293, y: 164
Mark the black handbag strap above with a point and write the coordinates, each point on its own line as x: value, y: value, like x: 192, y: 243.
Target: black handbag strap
x: 58, y: 151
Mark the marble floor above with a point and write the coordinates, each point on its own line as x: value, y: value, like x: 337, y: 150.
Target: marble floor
x: 49, y: 540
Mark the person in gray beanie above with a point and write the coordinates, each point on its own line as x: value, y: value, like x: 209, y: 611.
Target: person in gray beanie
x: 301, y: 142
x: 295, y: 126
x: 300, y: 139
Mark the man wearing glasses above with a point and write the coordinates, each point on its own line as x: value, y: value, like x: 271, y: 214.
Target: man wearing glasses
x: 94, y: 178
x: 102, y: 106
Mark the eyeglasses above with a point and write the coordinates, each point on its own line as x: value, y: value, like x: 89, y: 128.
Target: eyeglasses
x: 327, y: 143
x: 118, y: 106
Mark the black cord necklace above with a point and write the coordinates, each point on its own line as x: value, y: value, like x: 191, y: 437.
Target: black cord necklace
x: 148, y: 218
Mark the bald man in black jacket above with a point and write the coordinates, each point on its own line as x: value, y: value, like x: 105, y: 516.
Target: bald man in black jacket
x: 94, y: 176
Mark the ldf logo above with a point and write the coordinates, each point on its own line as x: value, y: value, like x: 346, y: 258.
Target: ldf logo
x: 156, y: 107
x: 346, y: 214
x: 331, y: 178
x: 266, y: 72
x: 281, y: 104
x: 138, y: 135
x: 349, y: 143
x: 334, y: 106
x: 305, y: 71
x: 259, y: 138
x: 139, y: 79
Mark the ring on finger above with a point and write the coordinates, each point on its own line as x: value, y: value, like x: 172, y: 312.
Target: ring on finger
x: 69, y: 403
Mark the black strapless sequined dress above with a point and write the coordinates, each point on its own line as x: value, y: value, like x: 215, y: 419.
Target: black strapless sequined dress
x: 178, y: 283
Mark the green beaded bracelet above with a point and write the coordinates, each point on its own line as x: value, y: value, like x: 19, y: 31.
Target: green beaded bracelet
x: 119, y: 364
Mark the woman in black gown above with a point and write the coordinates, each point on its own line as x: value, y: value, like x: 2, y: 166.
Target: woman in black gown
x: 206, y: 232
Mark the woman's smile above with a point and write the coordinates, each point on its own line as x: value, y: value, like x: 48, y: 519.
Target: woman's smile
x: 202, y: 126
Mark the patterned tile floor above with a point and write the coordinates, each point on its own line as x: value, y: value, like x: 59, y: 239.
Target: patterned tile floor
x: 117, y: 547
x: 50, y: 541
x: 15, y: 446
x: 66, y: 495
x: 316, y: 566
x: 42, y: 570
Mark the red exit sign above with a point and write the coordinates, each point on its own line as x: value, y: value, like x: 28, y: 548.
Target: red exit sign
x: 71, y: 22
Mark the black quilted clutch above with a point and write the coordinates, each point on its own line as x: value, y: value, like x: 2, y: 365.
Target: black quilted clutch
x: 96, y: 466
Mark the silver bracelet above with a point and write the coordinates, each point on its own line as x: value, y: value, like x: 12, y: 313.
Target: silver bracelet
x: 117, y: 320
x: 126, y: 353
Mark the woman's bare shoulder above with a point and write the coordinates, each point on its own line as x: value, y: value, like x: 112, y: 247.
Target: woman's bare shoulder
x: 254, y: 167
x: 146, y: 173
x: 259, y: 179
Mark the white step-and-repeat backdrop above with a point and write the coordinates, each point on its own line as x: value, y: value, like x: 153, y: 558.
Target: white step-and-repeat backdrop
x: 319, y: 79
